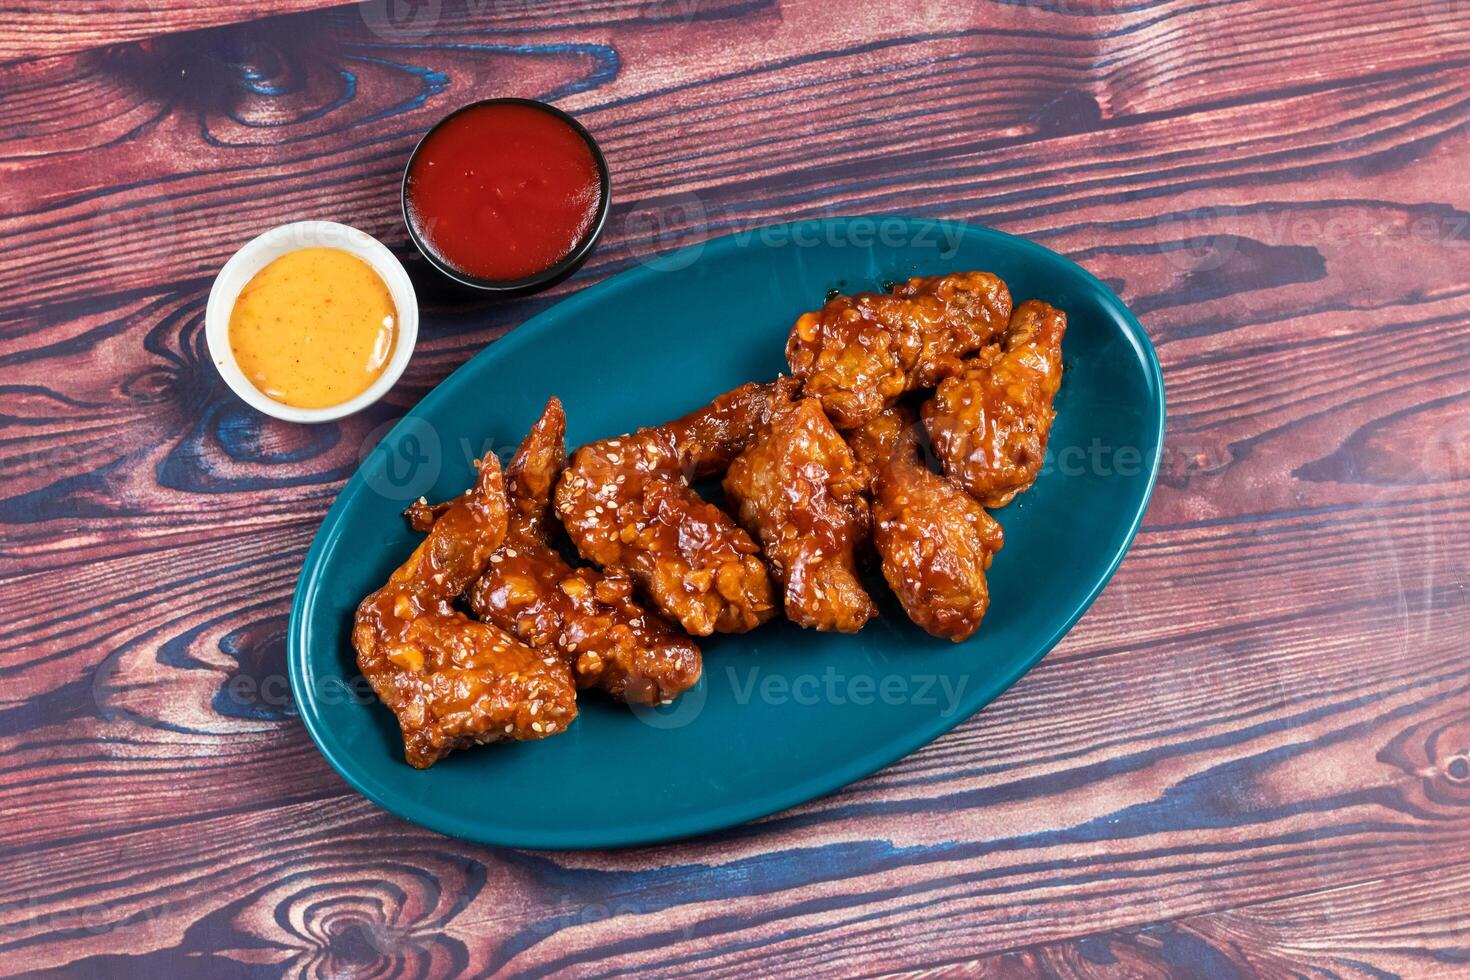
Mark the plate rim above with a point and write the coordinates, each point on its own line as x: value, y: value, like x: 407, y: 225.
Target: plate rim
x: 743, y: 811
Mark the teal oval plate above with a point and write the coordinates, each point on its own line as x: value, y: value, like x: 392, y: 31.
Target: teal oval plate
x: 781, y: 715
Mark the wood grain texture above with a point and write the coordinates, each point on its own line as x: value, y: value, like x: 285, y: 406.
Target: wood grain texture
x: 1251, y: 757
x: 49, y: 27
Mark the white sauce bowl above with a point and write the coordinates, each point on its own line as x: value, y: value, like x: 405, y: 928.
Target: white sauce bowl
x: 260, y: 252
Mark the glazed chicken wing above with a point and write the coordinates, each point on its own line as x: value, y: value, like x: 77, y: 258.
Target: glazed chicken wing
x: 989, y: 423
x: 935, y: 543
x: 858, y: 354
x: 590, y: 620
x: 875, y: 441
x: 453, y: 682
x: 626, y: 504
x: 799, y: 491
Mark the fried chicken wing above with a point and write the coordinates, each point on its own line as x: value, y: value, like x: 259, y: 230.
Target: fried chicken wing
x: 875, y: 441
x: 858, y: 354
x: 989, y: 422
x: 626, y: 503
x: 453, y: 682
x: 800, y: 492
x: 935, y: 543
x: 590, y: 620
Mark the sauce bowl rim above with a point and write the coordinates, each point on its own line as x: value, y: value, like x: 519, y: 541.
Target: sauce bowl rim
x: 549, y: 276
x: 265, y: 248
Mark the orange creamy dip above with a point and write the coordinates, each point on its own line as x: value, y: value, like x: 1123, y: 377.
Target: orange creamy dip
x: 315, y: 328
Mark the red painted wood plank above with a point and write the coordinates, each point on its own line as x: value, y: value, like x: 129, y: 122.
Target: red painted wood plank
x: 49, y: 27
x: 1250, y: 756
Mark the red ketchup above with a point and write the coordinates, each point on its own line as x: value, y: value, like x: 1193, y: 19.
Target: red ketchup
x: 502, y: 191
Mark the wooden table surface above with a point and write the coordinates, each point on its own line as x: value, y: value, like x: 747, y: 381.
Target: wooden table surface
x: 1252, y: 756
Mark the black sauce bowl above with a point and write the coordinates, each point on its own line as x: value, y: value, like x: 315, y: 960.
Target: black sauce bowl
x: 549, y: 276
